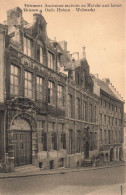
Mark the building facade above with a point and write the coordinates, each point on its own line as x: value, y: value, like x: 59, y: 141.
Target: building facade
x: 52, y: 103
x: 111, y: 113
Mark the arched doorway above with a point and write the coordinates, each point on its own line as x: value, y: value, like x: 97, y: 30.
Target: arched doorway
x: 22, y: 141
x: 111, y: 155
x: 87, y: 149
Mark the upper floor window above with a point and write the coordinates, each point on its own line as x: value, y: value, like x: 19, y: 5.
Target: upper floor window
x: 50, y: 60
x: 109, y: 120
x: 84, y: 110
x: 78, y: 78
x: 104, y: 119
x: 40, y: 54
x: 51, y: 93
x: 90, y: 113
x: 27, y: 46
x: 60, y: 94
x: 69, y: 105
x: 115, y: 108
x: 78, y: 108
x: 116, y: 121
x: 28, y: 85
x: 95, y: 113
x: 14, y: 80
x: 78, y: 146
x: 39, y: 88
x: 105, y: 103
x: 100, y: 136
x: 100, y: 118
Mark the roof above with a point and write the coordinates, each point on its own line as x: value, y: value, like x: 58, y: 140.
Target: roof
x: 104, y: 87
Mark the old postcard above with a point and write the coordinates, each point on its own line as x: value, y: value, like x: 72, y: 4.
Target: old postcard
x: 62, y: 97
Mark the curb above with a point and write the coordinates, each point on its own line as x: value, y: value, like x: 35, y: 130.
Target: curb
x: 61, y: 172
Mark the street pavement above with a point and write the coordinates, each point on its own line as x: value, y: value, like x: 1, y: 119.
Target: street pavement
x: 91, y: 181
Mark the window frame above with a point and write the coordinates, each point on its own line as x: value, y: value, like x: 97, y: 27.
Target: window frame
x: 28, y: 81
x: 27, y: 46
x: 14, y: 75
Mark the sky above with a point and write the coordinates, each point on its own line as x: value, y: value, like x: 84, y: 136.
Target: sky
x: 102, y: 32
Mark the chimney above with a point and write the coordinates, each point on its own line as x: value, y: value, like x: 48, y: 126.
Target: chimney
x: 106, y: 80
x: 14, y: 17
x: 84, y: 53
x: 96, y: 75
x: 63, y: 45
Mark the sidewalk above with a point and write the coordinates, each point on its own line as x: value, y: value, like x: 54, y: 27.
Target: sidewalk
x: 27, y: 171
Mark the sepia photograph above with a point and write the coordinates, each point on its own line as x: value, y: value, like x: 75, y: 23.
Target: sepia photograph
x: 62, y: 97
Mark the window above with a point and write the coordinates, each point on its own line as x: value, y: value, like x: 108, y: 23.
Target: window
x: 105, y: 140
x: 112, y: 136
x: 39, y: 88
x: 100, y: 118
x: 71, y: 141
x: 105, y: 103
x: 101, y: 102
x: 115, y: 108
x: 51, y: 93
x: 109, y: 105
x: 108, y: 136
x: 27, y: 46
x: 78, y: 147
x: 95, y: 112
x: 63, y: 136
x: 53, y: 143
x: 112, y: 121
x: 109, y: 120
x: 95, y: 140
x: 84, y: 111
x: 60, y: 94
x: 14, y: 80
x: 115, y: 136
x: 104, y: 119
x: 50, y: 60
x: 42, y: 135
x: 83, y: 79
x: 119, y: 122
x: 78, y: 78
x: 77, y: 108
x: 116, y: 121
x: 91, y: 140
x: 90, y: 113
x: 70, y: 106
x: 100, y: 136
x: 28, y: 85
x: 40, y: 54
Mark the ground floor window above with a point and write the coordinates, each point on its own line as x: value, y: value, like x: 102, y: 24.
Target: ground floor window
x: 61, y: 162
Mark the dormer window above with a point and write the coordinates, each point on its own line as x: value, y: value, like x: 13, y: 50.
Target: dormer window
x: 27, y: 46
x: 51, y: 60
x: 40, y: 54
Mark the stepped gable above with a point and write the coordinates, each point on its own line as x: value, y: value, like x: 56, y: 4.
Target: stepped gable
x: 104, y: 87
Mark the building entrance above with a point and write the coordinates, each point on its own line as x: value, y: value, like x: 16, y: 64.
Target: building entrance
x: 22, y: 142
